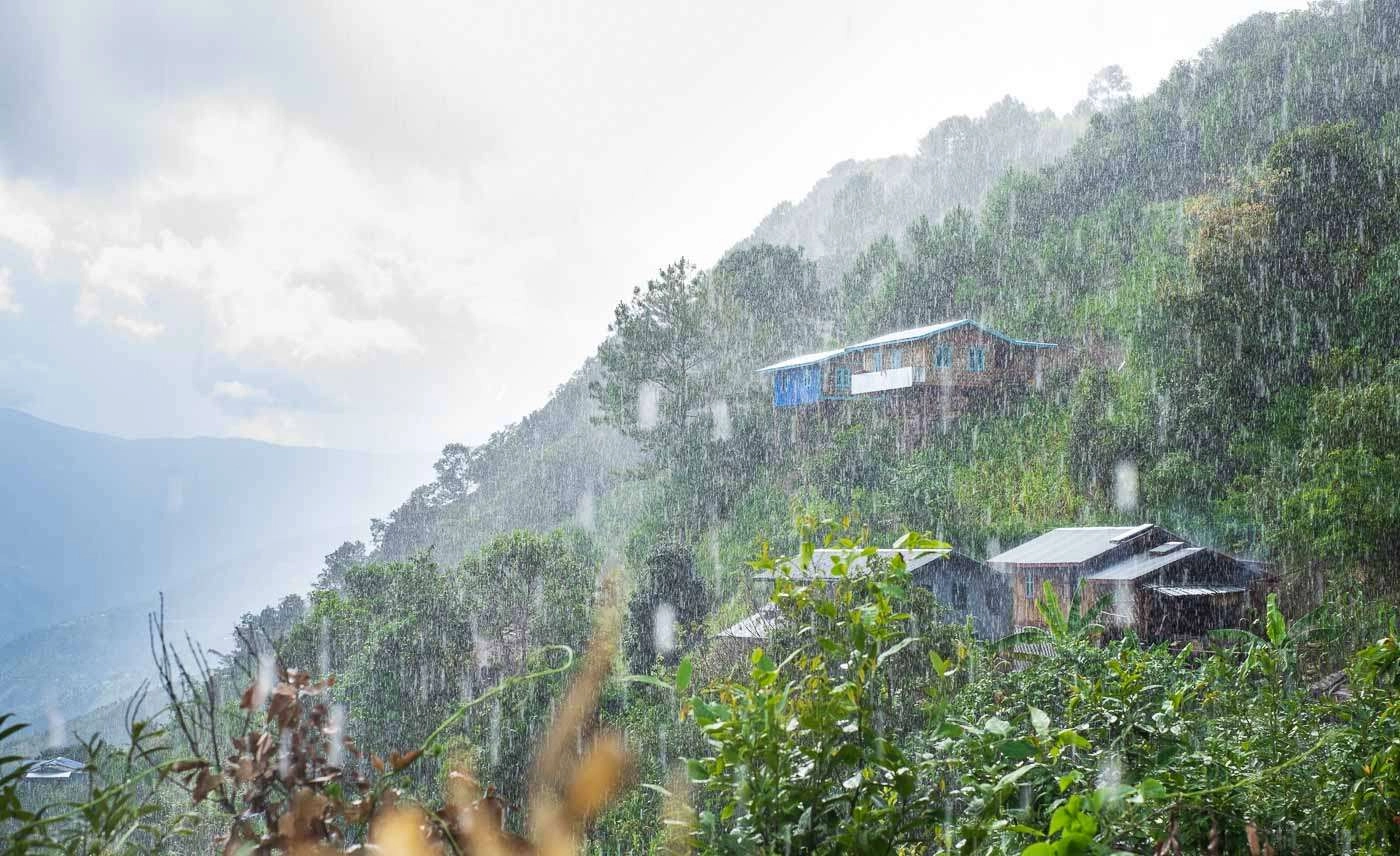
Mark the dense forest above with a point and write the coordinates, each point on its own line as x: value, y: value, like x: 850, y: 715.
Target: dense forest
x: 1219, y: 260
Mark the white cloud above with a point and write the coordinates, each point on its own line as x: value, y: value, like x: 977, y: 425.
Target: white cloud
x: 287, y: 247
x: 138, y: 327
x: 21, y: 225
x: 8, y: 304
x: 238, y: 391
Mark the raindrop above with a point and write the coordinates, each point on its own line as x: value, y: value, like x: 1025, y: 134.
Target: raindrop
x: 720, y: 427
x: 583, y: 512
x: 323, y: 651
x: 663, y: 628
x: 266, y: 680
x: 58, y: 725
x: 336, y: 729
x: 648, y: 396
x: 1125, y: 486
x: 494, y: 745
x: 284, y: 755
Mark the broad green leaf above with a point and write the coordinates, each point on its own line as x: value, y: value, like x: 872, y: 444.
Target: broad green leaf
x: 683, y: 676
x: 1277, y: 628
x: 1015, y: 775
x: 1040, y: 721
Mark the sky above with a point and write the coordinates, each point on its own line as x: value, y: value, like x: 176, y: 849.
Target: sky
x: 393, y: 226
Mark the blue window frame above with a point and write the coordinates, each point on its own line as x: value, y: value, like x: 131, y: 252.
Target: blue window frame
x: 897, y: 358
x: 843, y: 379
x: 976, y: 359
x: 943, y: 357
x: 879, y: 360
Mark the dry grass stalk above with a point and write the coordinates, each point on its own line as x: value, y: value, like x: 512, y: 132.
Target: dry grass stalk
x: 569, y: 787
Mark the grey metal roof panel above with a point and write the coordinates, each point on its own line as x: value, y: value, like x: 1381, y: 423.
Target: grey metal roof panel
x: 1142, y: 564
x: 756, y: 626
x: 1069, y: 545
x: 803, y: 360
x: 1195, y: 591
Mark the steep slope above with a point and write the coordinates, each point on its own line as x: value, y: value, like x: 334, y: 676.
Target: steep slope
x: 557, y: 464
x: 1081, y: 239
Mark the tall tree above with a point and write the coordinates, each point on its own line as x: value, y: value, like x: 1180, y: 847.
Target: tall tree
x: 667, y: 611
x: 654, y: 362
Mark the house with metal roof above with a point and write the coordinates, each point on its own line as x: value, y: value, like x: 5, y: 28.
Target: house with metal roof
x: 963, y: 586
x: 927, y: 374
x: 1156, y: 583
x: 53, y: 768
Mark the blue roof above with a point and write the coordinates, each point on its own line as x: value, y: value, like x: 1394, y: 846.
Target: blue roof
x: 915, y: 333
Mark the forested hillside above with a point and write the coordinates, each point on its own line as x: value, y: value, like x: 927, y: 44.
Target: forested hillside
x: 1214, y: 253
x: 1219, y: 260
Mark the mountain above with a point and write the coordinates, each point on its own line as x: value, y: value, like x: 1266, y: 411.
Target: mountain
x: 956, y: 163
x: 558, y: 464
x: 94, y: 527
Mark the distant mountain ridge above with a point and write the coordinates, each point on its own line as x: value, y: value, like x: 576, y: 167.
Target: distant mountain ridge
x: 92, y: 524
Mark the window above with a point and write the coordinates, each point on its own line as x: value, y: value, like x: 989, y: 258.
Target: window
x: 843, y: 379
x: 943, y: 357
x: 897, y: 358
x: 976, y: 359
x: 879, y: 360
x: 1030, y: 585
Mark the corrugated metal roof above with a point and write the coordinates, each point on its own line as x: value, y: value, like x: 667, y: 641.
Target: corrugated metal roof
x: 1067, y: 545
x: 822, y: 561
x: 54, y: 768
x: 1142, y: 564
x: 804, y: 360
x: 914, y: 333
x: 1195, y: 591
x: 756, y: 626
x: 909, y: 335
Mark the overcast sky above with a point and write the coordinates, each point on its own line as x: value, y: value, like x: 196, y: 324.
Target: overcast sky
x: 379, y: 227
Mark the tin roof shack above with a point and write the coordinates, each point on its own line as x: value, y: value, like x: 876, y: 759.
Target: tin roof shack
x: 51, y: 769
x: 962, y: 585
x: 1157, y: 584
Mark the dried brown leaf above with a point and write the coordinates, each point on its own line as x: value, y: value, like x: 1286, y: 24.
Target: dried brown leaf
x: 600, y: 776
x: 205, y: 783
x: 403, y: 832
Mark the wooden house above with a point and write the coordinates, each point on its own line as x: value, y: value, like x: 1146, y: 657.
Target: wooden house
x: 925, y: 376
x: 1156, y: 583
x: 963, y: 586
x: 58, y: 768
x: 935, y: 373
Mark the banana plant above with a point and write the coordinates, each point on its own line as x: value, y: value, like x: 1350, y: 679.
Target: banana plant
x: 1063, y: 626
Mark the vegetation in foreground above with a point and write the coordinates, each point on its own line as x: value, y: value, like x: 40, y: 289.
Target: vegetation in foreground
x: 855, y: 733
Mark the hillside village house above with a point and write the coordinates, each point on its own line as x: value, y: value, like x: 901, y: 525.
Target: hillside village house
x: 51, y: 769
x: 1158, y: 584
x: 925, y: 375
x: 964, y: 586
